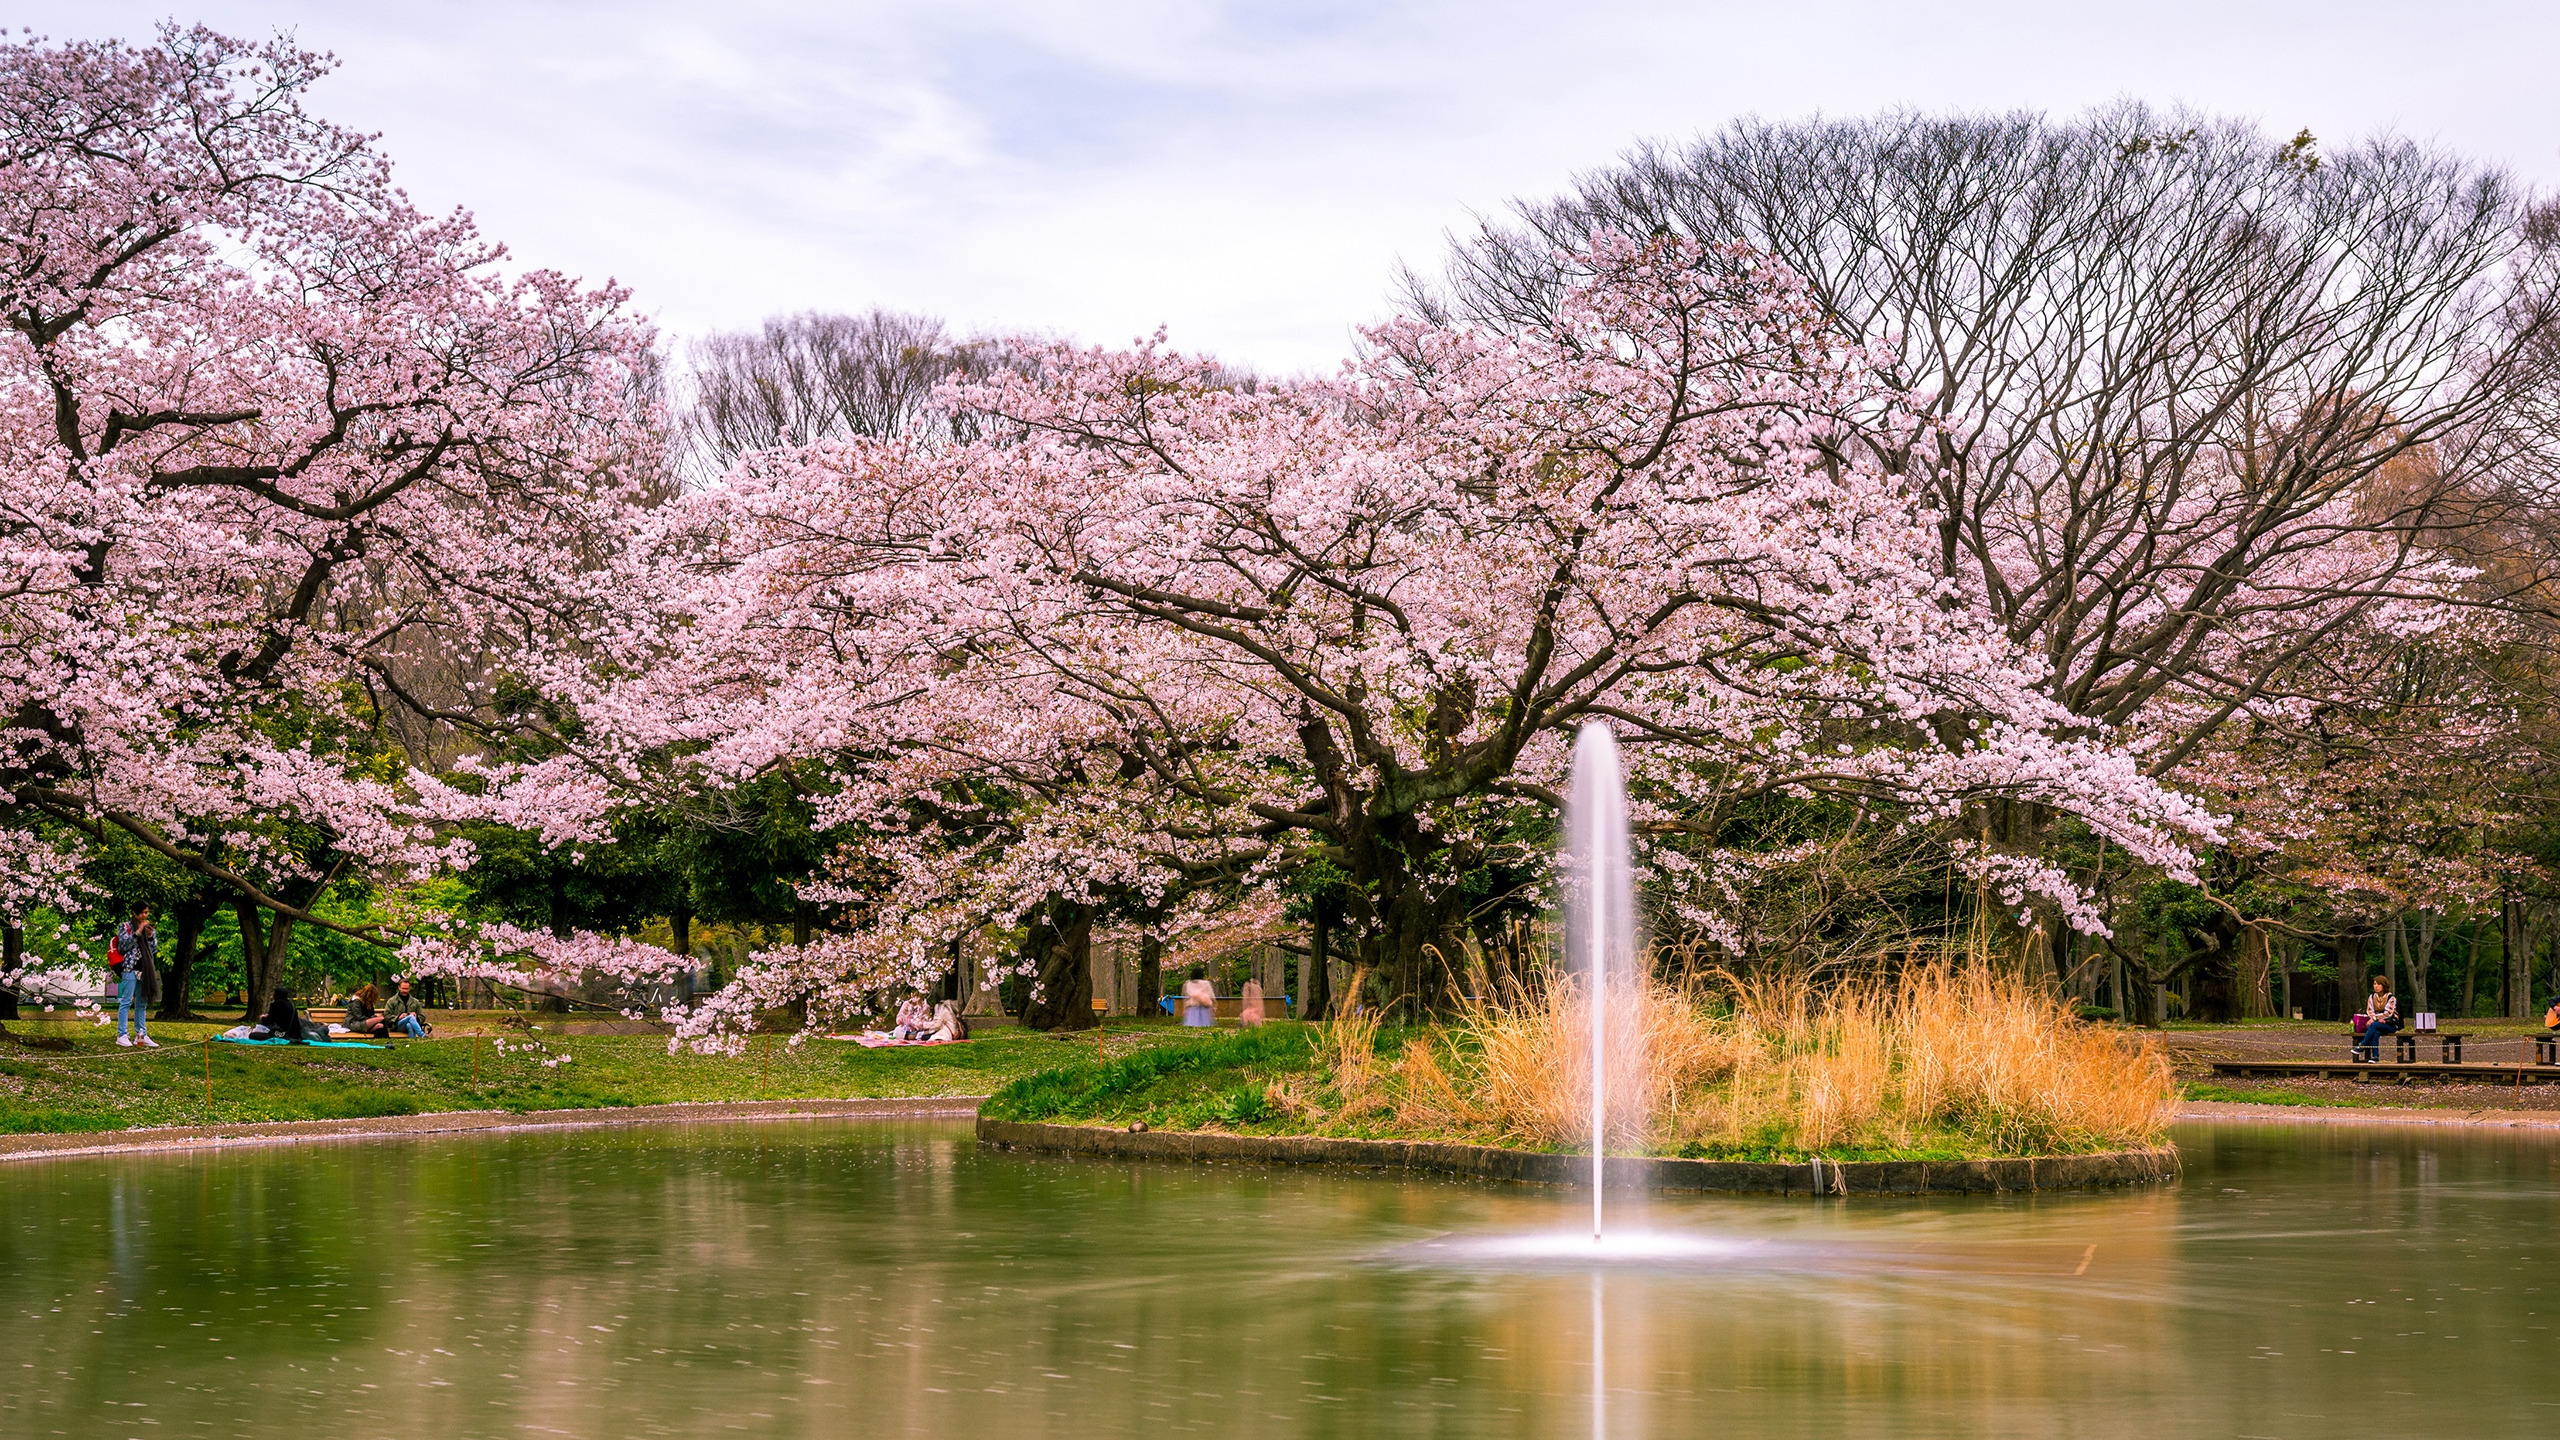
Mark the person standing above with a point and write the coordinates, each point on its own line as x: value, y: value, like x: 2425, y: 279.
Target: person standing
x: 1250, y: 1013
x: 138, y: 987
x: 1199, y: 1000
x: 2381, y: 1017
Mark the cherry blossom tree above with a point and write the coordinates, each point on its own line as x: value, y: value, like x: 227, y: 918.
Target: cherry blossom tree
x: 1155, y: 631
x: 270, y: 438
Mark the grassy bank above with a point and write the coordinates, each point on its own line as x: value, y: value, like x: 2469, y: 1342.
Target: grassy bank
x: 1938, y: 1065
x: 97, y: 1086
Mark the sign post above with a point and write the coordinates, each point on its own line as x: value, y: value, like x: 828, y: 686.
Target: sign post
x: 1101, y: 1017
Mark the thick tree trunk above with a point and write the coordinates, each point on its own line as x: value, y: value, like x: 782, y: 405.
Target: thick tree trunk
x: 180, y: 978
x: 2355, y: 973
x: 262, y: 953
x: 2215, y: 980
x: 1061, y: 943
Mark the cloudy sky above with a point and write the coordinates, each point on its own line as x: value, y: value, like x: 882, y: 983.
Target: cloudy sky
x: 1247, y: 175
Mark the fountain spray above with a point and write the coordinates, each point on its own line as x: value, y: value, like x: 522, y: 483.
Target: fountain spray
x: 1600, y: 911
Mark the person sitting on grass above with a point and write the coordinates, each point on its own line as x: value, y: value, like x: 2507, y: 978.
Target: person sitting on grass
x: 915, y: 1017
x: 2381, y: 1017
x: 282, y: 1021
x: 946, y: 1023
x: 362, y: 1018
x: 403, y: 1013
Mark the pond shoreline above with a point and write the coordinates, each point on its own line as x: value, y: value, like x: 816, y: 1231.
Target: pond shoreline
x: 2005, y: 1175
x: 211, y: 1138
x: 70, y: 1144
x: 2227, y: 1110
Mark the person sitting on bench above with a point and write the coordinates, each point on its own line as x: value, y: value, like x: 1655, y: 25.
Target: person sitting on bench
x: 403, y: 1013
x: 2381, y: 1017
x: 361, y: 1018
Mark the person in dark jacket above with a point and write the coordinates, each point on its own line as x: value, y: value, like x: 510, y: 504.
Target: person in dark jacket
x: 138, y: 983
x: 283, y: 1022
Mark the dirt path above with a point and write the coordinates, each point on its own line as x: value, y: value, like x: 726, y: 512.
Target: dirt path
x: 2489, y: 1118
x: 222, y: 1137
x: 2503, y: 1042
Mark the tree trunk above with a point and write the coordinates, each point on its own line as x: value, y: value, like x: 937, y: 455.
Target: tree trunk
x: 1150, y: 975
x: 1061, y: 944
x: 1315, y: 978
x: 2471, y: 970
x: 2423, y: 958
x: 262, y: 953
x: 2215, y: 979
x: 180, y: 978
x: 2517, y: 937
x: 13, y: 953
x: 2251, y: 975
x: 2354, y: 972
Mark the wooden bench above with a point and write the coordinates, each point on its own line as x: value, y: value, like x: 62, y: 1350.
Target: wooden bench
x: 2449, y: 1049
x: 2546, y: 1048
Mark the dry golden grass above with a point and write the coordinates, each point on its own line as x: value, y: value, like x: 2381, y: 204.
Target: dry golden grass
x: 1946, y: 1056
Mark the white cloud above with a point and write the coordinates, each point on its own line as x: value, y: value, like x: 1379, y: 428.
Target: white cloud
x: 1246, y: 174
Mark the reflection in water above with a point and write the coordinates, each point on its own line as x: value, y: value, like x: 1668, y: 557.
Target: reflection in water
x: 1599, y: 1364
x: 827, y: 1279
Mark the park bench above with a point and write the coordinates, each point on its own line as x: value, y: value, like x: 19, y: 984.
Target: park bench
x: 2546, y: 1048
x: 2449, y: 1047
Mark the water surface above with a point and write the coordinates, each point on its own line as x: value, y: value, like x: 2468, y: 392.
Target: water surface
x: 866, y: 1278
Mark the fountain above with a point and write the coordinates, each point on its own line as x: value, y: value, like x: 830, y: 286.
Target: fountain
x: 1600, y: 922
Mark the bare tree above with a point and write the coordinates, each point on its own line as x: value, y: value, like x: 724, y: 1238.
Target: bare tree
x: 813, y: 376
x: 2170, y: 358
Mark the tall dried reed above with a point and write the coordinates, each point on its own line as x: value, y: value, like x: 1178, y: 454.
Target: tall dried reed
x: 1949, y: 1055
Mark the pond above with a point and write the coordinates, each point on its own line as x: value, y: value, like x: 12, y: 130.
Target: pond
x: 834, y: 1278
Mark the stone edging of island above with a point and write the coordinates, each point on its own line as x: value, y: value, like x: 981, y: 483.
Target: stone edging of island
x: 1858, y: 1177
x: 204, y: 1138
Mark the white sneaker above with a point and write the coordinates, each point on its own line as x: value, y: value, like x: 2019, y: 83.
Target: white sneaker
x: 125, y: 1040
x: 148, y: 1041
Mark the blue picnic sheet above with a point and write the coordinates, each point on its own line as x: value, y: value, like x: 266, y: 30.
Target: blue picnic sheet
x: 314, y: 1044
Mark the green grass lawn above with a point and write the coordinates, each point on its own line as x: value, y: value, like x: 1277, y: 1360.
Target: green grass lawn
x: 98, y: 1086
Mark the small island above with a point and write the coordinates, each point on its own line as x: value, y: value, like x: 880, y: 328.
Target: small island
x: 1949, y: 1076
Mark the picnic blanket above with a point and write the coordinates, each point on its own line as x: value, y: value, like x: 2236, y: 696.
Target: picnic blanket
x: 875, y: 1040
x: 314, y: 1044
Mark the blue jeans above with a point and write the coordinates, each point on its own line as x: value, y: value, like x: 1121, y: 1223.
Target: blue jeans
x: 410, y: 1024
x: 130, y: 1006
x: 2369, y: 1044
